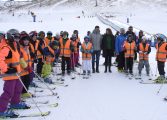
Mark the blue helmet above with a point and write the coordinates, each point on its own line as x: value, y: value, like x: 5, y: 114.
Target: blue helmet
x: 86, y: 37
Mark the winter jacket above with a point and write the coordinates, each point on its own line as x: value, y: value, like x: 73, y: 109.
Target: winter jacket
x: 96, y: 39
x: 120, y: 39
x: 105, y: 42
x: 108, y: 45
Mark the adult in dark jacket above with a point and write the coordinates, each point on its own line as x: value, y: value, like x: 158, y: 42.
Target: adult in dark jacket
x: 96, y: 39
x: 108, y: 47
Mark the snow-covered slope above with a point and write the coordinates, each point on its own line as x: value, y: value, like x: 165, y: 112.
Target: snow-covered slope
x: 103, y: 96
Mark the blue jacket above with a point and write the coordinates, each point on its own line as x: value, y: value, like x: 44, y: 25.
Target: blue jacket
x: 119, y: 43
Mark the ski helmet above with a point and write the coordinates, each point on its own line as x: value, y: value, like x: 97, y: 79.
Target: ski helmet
x: 161, y: 37
x: 49, y: 33
x: 14, y: 32
x: 61, y: 33
x: 86, y: 38
x: 10, y: 37
x: 24, y: 36
x: 65, y: 33
x: 76, y: 32
x: 2, y: 34
x: 32, y: 34
x: 41, y: 33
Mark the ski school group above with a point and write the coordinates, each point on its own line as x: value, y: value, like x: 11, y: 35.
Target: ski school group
x: 24, y: 56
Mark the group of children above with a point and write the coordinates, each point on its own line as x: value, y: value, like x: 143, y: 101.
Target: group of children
x: 23, y: 55
x: 127, y: 48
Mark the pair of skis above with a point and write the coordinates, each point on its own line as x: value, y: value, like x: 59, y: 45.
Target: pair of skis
x: 36, y: 114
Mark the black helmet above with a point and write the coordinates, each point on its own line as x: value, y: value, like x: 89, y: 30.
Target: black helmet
x: 49, y: 33
x: 76, y: 32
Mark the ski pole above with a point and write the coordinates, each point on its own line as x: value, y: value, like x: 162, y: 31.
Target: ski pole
x: 30, y: 96
x: 161, y: 87
x: 156, y: 70
x: 45, y: 84
x: 74, y: 63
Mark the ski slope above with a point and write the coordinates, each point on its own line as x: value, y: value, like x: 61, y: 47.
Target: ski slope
x: 103, y: 96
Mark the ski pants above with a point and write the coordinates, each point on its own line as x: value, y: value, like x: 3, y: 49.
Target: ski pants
x: 161, y: 67
x: 121, y: 60
x: 66, y: 60
x: 26, y: 81
x: 11, y: 94
x: 39, y: 66
x: 95, y: 58
x: 86, y: 65
x: 141, y: 65
x: 129, y: 64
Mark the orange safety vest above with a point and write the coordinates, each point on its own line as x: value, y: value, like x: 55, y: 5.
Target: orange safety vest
x: 129, y: 47
x: 143, y: 56
x: 15, y: 62
x: 47, y: 41
x: 32, y: 50
x: 88, y: 46
x: 75, y: 43
x: 161, y: 52
x: 27, y: 58
x: 39, y: 54
x: 49, y: 59
x: 65, y: 49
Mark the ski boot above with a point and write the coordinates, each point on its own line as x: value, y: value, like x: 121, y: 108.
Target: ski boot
x: 109, y: 69
x: 8, y: 114
x: 48, y: 80
x: 89, y: 73
x: 33, y: 84
x: 21, y: 105
x: 26, y: 95
x: 68, y: 72
x: 161, y: 79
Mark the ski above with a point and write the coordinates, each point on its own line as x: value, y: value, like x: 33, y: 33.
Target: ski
x: 38, y: 90
x: 151, y: 82
x: 47, y: 95
x: 52, y: 88
x: 35, y: 115
x: 55, y: 83
x: 45, y: 105
x: 39, y: 102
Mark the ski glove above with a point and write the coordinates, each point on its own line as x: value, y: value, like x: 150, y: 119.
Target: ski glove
x: 140, y: 52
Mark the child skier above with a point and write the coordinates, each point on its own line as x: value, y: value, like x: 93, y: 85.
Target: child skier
x: 9, y: 66
x: 66, y: 49
x: 161, y: 57
x: 129, y: 49
x: 49, y: 56
x: 144, y: 50
x: 86, y: 49
x: 26, y: 66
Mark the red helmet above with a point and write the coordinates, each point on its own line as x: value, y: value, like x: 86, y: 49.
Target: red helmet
x: 33, y: 33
